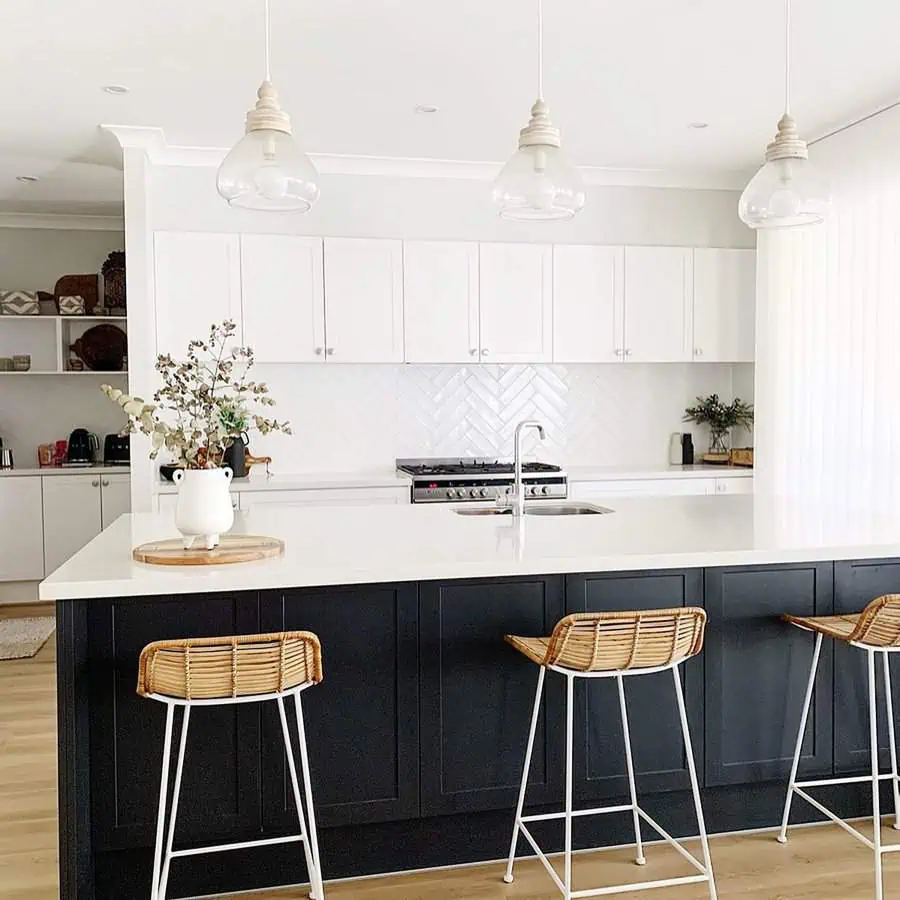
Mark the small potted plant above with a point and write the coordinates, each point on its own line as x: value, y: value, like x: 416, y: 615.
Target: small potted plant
x: 720, y: 417
x: 204, y: 405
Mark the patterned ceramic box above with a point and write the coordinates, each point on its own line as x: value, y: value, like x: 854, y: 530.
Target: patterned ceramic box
x: 19, y: 303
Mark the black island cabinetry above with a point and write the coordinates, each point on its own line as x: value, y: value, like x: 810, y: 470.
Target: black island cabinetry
x: 417, y: 733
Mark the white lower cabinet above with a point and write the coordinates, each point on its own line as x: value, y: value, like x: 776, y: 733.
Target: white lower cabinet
x: 21, y: 529
x: 77, y: 508
x: 649, y: 487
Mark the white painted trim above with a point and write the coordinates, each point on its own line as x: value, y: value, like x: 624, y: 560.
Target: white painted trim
x: 61, y: 222
x: 153, y: 142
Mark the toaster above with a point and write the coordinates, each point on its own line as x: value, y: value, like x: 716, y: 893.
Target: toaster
x: 117, y: 450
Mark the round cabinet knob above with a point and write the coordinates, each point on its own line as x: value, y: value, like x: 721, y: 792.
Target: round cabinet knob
x: 628, y: 353
x: 473, y: 351
x: 319, y: 351
x: 698, y: 351
x: 329, y: 351
x: 485, y: 352
x: 95, y: 483
x: 104, y: 482
x: 620, y: 352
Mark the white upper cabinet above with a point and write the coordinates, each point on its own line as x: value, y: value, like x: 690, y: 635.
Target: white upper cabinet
x: 363, y: 300
x: 283, y: 297
x: 198, y: 284
x: 724, y: 305
x: 516, y: 282
x: 658, y: 288
x: 440, y: 301
x: 588, y: 304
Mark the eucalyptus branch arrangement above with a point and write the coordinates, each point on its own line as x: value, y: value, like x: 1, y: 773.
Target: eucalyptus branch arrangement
x: 719, y: 416
x: 206, y: 401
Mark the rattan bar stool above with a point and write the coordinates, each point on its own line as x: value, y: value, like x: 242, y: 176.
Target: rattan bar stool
x: 229, y: 670
x: 877, y: 631
x: 615, y: 645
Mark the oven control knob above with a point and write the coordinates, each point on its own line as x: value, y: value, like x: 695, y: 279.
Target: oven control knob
x: 532, y: 490
x: 473, y: 492
x: 451, y: 493
x: 483, y: 492
x: 545, y: 489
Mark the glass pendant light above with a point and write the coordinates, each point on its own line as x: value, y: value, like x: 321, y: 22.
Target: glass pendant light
x: 539, y: 183
x: 787, y: 191
x: 266, y: 170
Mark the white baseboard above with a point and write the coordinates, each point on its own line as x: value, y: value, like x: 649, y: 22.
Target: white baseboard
x: 12, y: 592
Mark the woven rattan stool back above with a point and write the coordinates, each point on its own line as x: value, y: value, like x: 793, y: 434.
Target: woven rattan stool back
x: 879, y: 623
x: 237, y: 666
x: 612, y: 641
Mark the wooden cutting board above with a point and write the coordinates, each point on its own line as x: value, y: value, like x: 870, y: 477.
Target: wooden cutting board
x: 233, y: 548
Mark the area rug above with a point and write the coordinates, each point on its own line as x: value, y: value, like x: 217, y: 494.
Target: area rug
x: 22, y: 638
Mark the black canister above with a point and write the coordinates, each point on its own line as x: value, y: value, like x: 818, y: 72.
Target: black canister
x: 235, y: 456
x: 687, y: 449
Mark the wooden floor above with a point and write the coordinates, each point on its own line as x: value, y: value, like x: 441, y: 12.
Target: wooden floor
x: 817, y: 863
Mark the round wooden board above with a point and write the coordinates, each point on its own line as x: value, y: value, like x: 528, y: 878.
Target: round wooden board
x: 233, y: 548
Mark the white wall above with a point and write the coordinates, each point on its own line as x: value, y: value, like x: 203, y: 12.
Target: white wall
x: 38, y: 410
x: 828, y: 329
x: 358, y: 417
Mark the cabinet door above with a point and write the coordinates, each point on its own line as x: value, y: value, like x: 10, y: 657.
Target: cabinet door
x: 363, y: 300
x: 478, y: 694
x: 657, y: 304
x: 21, y: 530
x: 857, y: 583
x: 656, y: 740
x: 72, y: 516
x: 440, y: 302
x: 325, y: 497
x: 198, y: 284
x: 724, y: 305
x: 362, y: 719
x: 757, y: 667
x: 650, y: 487
x: 516, y: 303
x: 283, y: 297
x: 588, y: 304
x: 115, y: 498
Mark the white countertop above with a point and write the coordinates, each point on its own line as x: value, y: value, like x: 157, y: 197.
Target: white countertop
x: 640, y: 473
x: 355, y: 545
x: 259, y: 481
x: 66, y: 470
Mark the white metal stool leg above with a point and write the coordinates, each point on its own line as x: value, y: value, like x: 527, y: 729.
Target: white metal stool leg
x: 570, y: 715
x: 295, y: 786
x: 176, y: 793
x: 161, y: 814
x: 695, y: 787
x: 639, y: 858
x: 892, y: 737
x: 810, y: 685
x: 319, y: 892
x: 876, y: 793
x: 508, y: 877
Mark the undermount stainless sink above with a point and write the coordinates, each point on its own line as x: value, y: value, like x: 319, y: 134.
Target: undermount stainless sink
x: 538, y: 508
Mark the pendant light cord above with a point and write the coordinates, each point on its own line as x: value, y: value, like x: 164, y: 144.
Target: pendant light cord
x: 268, y: 32
x: 787, y: 56
x: 540, y: 49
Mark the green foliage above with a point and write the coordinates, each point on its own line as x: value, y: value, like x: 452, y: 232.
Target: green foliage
x: 205, y: 402
x: 719, y: 416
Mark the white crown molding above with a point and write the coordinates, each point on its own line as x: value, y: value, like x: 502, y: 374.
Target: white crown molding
x: 153, y: 142
x: 61, y: 222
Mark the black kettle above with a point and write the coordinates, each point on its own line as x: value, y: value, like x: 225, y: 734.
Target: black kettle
x: 83, y: 446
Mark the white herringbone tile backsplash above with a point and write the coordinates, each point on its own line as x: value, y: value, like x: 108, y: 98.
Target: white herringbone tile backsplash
x: 348, y: 418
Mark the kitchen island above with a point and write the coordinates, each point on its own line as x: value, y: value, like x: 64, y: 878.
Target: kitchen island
x: 417, y: 733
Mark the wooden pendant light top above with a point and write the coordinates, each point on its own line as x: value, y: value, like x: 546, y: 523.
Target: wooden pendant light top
x: 233, y: 548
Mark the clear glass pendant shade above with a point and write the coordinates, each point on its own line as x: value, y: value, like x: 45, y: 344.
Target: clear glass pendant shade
x: 785, y: 193
x: 538, y: 183
x: 266, y: 170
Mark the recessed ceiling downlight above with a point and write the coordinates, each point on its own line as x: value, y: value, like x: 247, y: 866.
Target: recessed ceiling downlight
x: 116, y: 89
x: 27, y: 179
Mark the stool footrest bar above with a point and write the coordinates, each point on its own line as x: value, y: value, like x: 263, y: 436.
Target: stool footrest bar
x: 857, y: 779
x: 641, y: 886
x: 240, y: 845
x: 599, y: 811
x: 836, y: 819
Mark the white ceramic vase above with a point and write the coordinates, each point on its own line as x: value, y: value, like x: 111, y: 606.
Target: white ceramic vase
x: 204, y: 507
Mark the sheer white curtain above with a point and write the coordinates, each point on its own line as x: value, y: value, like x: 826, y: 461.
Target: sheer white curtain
x: 828, y: 334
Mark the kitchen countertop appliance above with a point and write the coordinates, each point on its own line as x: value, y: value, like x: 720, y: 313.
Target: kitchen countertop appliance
x: 480, y: 480
x: 117, y: 450
x: 83, y: 447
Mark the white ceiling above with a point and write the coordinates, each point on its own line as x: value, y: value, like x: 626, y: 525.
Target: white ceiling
x: 623, y: 79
